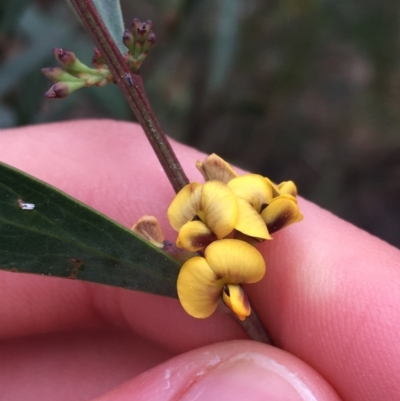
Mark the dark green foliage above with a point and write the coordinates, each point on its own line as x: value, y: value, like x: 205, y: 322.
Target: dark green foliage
x: 62, y: 237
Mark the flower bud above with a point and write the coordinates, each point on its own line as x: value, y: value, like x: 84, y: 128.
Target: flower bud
x: 57, y: 74
x: 136, y: 24
x: 64, y: 57
x: 128, y: 39
x: 144, y: 30
x: 63, y: 89
x: 149, y: 42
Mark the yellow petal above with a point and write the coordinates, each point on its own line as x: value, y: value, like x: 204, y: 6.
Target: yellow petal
x: 199, y: 289
x: 252, y: 188
x: 275, y: 188
x: 216, y: 168
x: 194, y: 236
x: 236, y: 300
x: 250, y: 222
x: 185, y: 205
x: 149, y: 228
x: 220, y: 208
x: 287, y: 188
x: 235, y: 261
x: 281, y: 212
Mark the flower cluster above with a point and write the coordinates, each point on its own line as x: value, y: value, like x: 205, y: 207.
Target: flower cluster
x: 75, y: 75
x: 221, y: 220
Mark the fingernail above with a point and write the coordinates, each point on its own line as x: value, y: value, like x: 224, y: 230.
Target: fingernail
x: 249, y: 376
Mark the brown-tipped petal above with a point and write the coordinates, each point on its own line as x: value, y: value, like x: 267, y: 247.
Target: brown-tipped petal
x: 235, y: 261
x: 198, y: 288
x: 235, y: 298
x: 250, y: 222
x: 287, y: 188
x: 185, y: 205
x: 149, y: 228
x: 281, y: 212
x: 216, y: 168
x: 220, y: 208
x: 194, y: 235
x: 252, y: 188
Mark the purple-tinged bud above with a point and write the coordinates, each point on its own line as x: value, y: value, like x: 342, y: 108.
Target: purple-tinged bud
x: 149, y: 26
x: 136, y: 24
x: 63, y: 89
x: 151, y: 38
x: 144, y: 30
x: 128, y: 39
x: 58, y: 91
x: 149, y: 42
x: 64, y: 57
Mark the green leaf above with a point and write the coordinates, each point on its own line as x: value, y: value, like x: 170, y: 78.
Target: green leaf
x: 111, y: 14
x: 62, y: 237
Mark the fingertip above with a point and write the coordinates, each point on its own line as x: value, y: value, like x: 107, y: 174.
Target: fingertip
x: 231, y: 371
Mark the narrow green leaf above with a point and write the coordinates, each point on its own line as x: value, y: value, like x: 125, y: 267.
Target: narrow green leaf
x: 111, y: 14
x: 62, y: 237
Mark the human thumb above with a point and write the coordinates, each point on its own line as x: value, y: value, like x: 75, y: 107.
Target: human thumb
x: 235, y: 370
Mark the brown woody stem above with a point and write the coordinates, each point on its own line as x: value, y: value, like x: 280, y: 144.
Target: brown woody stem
x: 132, y: 87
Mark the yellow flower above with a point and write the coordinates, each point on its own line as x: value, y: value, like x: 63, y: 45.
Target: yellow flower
x: 255, y: 193
x: 226, y: 264
x: 281, y: 212
x: 275, y: 205
x: 202, y: 214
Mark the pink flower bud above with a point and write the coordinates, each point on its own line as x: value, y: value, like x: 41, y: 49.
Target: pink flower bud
x: 128, y: 39
x: 64, y: 57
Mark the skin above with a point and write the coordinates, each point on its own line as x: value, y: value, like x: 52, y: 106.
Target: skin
x: 330, y: 299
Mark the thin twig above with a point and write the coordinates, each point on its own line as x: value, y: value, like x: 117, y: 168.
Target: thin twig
x: 132, y: 88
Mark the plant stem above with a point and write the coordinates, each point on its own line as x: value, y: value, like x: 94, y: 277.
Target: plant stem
x: 255, y: 329
x: 132, y: 88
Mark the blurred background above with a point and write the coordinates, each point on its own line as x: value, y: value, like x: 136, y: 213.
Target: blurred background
x: 307, y: 90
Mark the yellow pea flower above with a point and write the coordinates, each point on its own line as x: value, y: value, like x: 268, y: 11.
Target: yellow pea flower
x: 281, y: 212
x: 202, y: 214
x: 226, y: 264
x: 275, y: 205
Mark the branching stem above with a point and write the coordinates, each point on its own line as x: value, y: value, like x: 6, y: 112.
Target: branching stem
x: 132, y: 87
